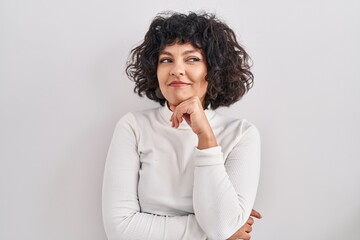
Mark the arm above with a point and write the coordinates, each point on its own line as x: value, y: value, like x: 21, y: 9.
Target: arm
x: 122, y: 215
x: 224, y: 194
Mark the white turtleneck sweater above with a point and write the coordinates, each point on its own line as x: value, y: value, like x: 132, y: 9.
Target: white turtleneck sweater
x: 158, y: 185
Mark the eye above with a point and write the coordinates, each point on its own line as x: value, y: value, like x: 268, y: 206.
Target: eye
x: 193, y: 59
x: 165, y: 60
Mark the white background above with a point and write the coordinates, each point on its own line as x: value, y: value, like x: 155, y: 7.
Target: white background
x: 63, y: 88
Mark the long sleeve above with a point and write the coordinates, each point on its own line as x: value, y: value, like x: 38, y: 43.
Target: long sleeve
x: 122, y: 214
x: 224, y: 195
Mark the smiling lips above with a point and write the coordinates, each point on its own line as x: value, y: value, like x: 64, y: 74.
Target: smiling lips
x: 178, y: 84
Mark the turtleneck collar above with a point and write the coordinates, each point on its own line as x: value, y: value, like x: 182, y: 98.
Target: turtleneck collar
x: 166, y: 114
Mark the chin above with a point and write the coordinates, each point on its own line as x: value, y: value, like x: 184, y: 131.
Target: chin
x: 175, y: 101
x: 178, y: 101
x: 172, y: 103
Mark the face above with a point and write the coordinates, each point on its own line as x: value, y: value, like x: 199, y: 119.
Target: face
x: 181, y: 73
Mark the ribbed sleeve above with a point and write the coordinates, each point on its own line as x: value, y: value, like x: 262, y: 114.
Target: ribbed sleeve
x: 224, y: 194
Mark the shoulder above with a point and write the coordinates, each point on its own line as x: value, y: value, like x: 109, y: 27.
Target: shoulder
x: 134, y: 115
x: 145, y: 114
x: 238, y: 128
x: 137, y: 118
x: 240, y: 125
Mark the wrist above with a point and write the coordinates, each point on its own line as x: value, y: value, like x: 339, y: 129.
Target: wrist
x: 206, y: 140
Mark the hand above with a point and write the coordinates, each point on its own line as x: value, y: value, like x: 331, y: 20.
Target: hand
x: 192, y: 111
x: 244, y: 231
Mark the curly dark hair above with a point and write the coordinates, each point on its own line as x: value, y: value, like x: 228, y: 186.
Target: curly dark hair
x: 228, y: 68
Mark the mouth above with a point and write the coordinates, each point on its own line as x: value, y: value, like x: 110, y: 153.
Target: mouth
x: 178, y: 84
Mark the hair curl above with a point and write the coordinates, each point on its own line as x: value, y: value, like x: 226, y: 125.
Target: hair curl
x: 228, y: 68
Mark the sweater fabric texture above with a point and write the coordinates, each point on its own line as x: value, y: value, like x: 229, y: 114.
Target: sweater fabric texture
x: 158, y: 185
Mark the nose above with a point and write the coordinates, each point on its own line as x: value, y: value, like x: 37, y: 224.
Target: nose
x: 178, y: 69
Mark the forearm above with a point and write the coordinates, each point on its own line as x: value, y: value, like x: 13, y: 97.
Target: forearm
x: 123, y: 218
x: 206, y: 140
x: 148, y: 226
x: 224, y: 193
x: 215, y: 200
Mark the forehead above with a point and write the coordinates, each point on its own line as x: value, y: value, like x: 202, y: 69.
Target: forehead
x: 177, y: 48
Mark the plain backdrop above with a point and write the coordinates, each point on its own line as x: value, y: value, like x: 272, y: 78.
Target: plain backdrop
x: 63, y: 88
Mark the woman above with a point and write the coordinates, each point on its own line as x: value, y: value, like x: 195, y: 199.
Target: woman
x: 183, y: 171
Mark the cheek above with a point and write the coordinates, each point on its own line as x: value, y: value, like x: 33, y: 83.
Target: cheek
x: 161, y: 80
x: 162, y: 73
x: 160, y: 76
x: 199, y: 75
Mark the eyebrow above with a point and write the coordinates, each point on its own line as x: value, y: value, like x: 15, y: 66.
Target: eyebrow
x: 184, y: 53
